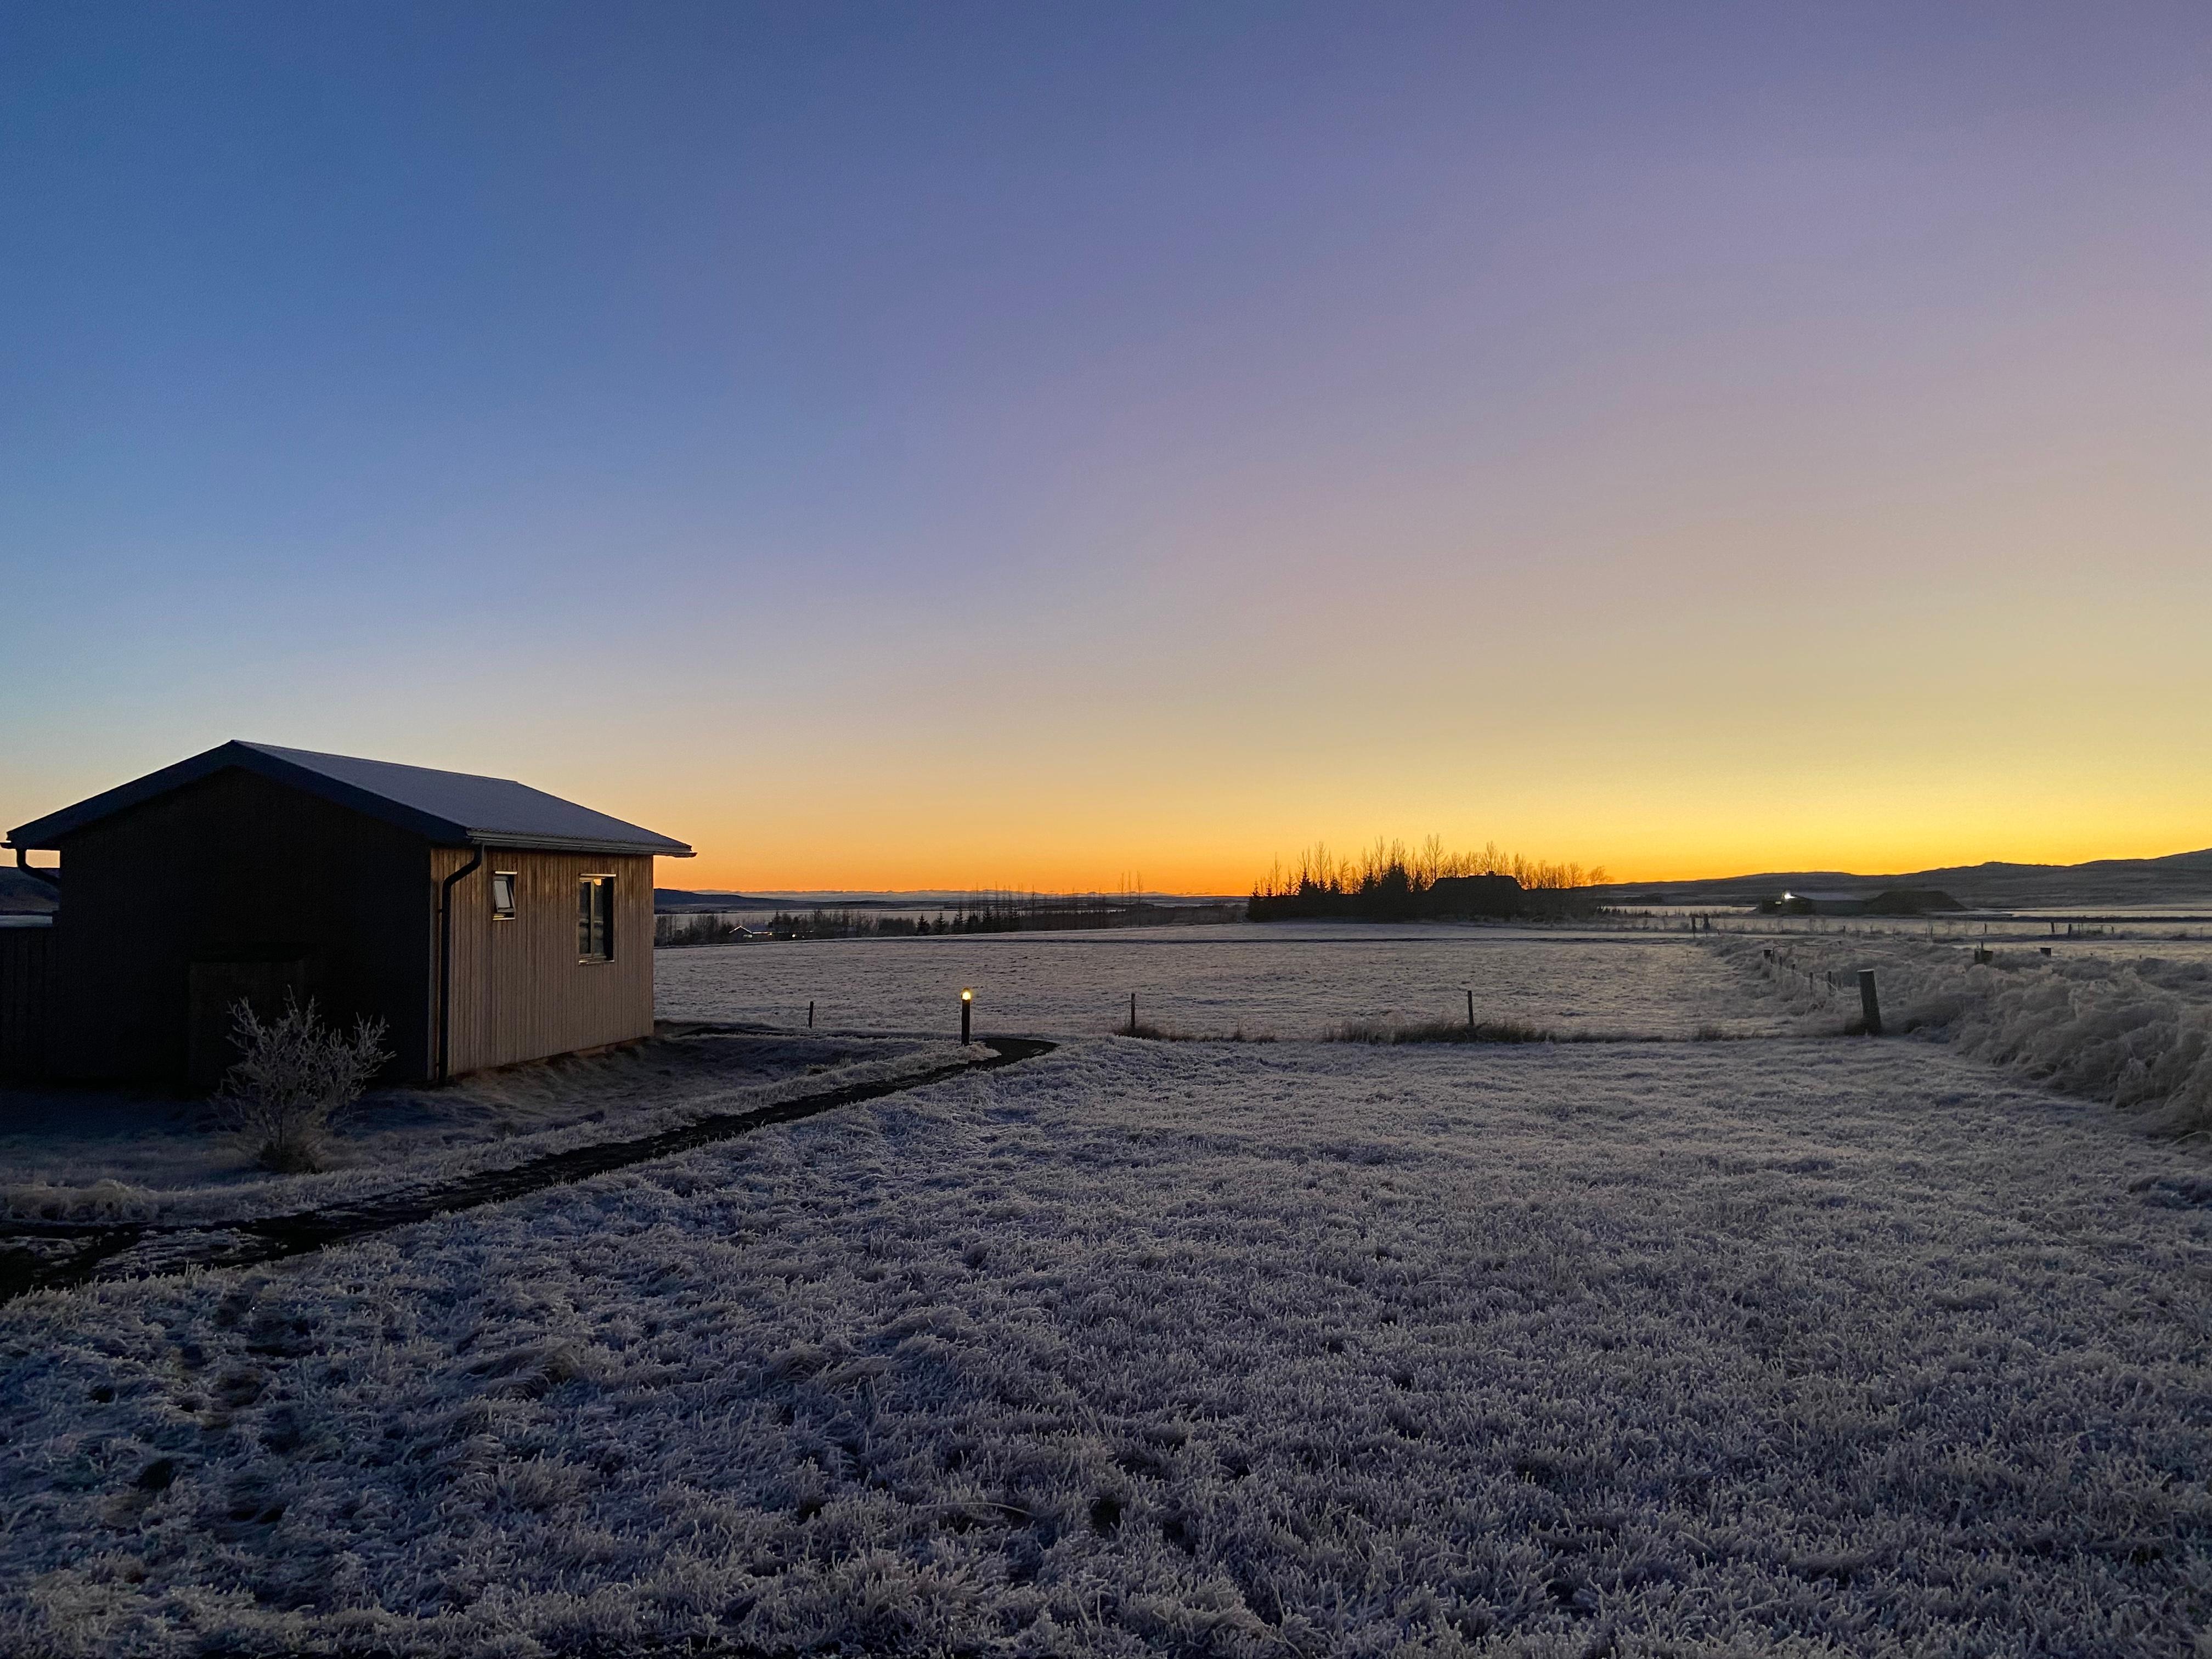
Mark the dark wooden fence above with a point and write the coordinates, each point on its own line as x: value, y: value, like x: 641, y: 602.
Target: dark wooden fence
x: 27, y: 999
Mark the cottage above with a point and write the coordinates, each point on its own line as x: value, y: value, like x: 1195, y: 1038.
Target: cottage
x: 1475, y: 896
x: 484, y: 921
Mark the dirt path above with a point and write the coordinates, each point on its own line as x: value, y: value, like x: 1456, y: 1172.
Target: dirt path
x: 56, y: 1255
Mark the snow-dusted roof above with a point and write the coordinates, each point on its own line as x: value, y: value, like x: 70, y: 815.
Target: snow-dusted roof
x: 448, y: 808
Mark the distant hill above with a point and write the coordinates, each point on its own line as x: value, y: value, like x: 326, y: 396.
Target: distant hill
x: 2181, y: 879
x: 675, y: 900
x: 678, y: 898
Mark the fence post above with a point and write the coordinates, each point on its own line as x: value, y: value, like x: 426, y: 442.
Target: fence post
x: 1869, y: 1005
x: 1132, y: 1013
x: 809, y: 1013
x: 1470, y: 1011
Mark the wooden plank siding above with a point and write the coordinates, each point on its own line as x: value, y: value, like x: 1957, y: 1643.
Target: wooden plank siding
x: 235, y: 867
x: 519, y: 990
x: 27, y: 999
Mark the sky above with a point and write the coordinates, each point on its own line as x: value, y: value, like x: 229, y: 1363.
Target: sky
x: 1058, y: 447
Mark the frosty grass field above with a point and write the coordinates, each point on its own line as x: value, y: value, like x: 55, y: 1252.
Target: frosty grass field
x: 1287, y: 979
x: 66, y: 1155
x: 1788, y: 1343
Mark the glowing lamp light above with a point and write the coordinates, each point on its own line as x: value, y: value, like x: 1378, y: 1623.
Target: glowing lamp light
x: 966, y: 995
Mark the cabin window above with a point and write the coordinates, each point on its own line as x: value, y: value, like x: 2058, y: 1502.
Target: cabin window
x: 595, y: 918
x: 502, y: 896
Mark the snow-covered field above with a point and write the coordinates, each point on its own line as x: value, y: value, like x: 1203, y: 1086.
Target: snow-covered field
x: 1287, y: 979
x: 1795, y: 1343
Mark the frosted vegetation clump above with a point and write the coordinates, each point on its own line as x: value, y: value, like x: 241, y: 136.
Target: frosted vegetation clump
x: 296, y: 1077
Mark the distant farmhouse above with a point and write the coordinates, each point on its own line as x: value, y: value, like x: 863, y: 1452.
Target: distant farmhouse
x: 484, y: 921
x: 1496, y: 897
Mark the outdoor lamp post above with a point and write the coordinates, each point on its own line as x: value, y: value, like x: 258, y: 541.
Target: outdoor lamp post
x: 967, y: 1007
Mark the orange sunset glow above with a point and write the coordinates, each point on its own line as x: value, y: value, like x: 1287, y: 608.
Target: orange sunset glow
x: 1635, y: 469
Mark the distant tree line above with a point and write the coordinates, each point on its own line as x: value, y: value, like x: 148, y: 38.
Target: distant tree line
x: 821, y: 923
x: 1001, y: 913
x: 1389, y: 883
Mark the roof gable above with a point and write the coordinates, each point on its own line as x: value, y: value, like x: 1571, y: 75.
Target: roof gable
x: 448, y: 808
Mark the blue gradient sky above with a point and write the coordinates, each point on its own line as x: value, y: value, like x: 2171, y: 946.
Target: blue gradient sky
x: 1033, y: 446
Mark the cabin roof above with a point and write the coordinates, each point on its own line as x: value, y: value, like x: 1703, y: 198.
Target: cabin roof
x: 453, y: 809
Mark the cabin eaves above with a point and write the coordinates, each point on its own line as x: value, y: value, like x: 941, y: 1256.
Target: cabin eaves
x: 450, y: 809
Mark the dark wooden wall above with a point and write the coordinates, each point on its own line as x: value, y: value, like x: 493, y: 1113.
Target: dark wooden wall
x: 519, y: 992
x: 236, y: 867
x: 27, y: 999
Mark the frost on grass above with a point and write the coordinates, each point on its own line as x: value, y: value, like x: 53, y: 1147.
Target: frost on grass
x: 85, y: 1156
x: 1291, y: 980
x: 2135, y: 1034
x: 1376, y: 1032
x: 1811, y: 1347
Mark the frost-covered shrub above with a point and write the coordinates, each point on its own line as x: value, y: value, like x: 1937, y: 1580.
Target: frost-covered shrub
x: 1153, y: 1033
x: 1449, y: 1031
x: 295, y: 1076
